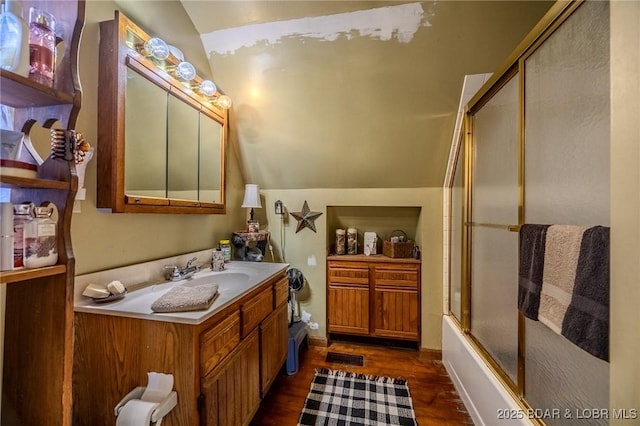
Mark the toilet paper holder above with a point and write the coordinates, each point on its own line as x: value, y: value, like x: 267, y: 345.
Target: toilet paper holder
x: 161, y: 410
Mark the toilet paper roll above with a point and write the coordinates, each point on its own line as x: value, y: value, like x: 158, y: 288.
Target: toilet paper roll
x: 136, y: 413
x: 159, y: 386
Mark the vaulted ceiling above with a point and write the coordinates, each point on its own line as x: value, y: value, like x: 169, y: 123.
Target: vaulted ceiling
x: 351, y: 94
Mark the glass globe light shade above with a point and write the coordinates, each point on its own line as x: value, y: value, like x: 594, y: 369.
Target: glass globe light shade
x: 224, y: 102
x: 208, y: 87
x: 157, y: 48
x: 186, y: 71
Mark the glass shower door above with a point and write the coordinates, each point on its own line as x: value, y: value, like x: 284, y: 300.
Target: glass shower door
x: 494, y: 249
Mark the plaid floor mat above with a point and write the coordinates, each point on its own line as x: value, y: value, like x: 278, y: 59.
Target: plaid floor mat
x: 342, y: 398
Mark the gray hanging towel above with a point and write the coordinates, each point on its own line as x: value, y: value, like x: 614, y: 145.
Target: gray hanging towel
x: 530, y: 269
x: 183, y: 298
x: 586, y: 322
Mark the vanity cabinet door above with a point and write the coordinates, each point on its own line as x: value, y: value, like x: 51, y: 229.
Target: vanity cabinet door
x: 232, y: 391
x: 274, y: 336
x: 257, y: 309
x: 218, y: 341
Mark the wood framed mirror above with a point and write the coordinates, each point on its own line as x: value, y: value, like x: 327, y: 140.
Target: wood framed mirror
x: 161, y: 143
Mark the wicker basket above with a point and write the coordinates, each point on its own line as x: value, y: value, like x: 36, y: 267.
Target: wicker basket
x: 402, y: 249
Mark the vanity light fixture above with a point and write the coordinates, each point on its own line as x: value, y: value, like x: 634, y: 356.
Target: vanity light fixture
x: 157, y: 48
x: 223, y: 101
x: 185, y: 71
x: 208, y: 87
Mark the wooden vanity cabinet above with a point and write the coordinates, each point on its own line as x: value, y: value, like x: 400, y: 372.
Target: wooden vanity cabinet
x: 231, y: 393
x: 221, y: 367
x: 374, y: 296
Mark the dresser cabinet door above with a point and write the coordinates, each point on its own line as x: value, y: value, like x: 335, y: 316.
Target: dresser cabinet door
x: 348, y: 304
x: 397, y: 311
x: 348, y: 309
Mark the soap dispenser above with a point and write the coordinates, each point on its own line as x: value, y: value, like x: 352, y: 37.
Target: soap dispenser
x: 14, y: 39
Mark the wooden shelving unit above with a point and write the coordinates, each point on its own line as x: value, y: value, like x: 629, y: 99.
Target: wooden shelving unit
x: 38, y: 335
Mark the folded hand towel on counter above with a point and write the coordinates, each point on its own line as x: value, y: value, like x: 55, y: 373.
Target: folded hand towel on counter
x: 530, y: 269
x: 586, y: 322
x: 183, y: 298
x: 562, y: 249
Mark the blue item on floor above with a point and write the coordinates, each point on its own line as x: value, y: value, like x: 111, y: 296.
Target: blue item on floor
x: 297, y: 335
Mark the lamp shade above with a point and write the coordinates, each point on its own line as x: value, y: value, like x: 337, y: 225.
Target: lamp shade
x: 251, y: 196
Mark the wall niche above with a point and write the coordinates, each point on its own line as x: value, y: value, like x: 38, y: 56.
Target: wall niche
x: 383, y: 220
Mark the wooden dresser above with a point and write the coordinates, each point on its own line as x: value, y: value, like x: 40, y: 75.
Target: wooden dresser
x: 374, y: 296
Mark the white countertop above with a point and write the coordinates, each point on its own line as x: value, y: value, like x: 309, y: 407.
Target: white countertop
x: 236, y: 280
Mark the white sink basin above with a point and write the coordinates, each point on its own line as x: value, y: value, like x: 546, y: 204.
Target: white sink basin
x: 236, y: 280
x: 223, y: 279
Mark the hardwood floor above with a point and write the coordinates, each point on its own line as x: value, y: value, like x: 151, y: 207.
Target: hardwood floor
x: 435, y: 400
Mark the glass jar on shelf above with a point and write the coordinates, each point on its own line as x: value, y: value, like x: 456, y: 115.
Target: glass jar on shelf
x: 42, y: 46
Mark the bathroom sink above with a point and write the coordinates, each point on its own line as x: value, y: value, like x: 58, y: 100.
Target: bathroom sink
x: 233, y: 282
x: 223, y: 279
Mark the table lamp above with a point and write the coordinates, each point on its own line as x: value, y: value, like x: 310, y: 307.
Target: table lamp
x: 252, y: 201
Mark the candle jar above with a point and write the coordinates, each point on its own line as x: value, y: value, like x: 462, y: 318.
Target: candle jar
x: 352, y: 241
x: 340, y: 241
x: 42, y: 46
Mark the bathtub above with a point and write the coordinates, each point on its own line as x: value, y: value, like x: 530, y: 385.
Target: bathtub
x: 486, y: 400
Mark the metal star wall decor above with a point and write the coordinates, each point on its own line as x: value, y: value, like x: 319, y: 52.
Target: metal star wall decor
x: 305, y: 218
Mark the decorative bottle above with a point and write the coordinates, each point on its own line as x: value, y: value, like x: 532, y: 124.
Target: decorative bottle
x: 22, y: 213
x: 40, y: 246
x: 42, y: 46
x: 14, y: 39
x: 217, y: 260
x: 225, y: 245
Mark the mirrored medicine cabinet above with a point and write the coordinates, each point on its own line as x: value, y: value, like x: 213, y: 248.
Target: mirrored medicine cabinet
x: 161, y: 143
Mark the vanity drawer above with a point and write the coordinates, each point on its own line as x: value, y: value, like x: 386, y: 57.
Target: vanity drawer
x: 280, y: 292
x: 218, y: 341
x: 255, y: 310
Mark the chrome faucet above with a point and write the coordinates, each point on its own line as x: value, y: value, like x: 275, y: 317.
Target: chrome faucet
x: 177, y: 274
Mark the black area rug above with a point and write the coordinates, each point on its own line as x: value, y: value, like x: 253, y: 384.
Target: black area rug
x: 340, y: 358
x: 344, y: 398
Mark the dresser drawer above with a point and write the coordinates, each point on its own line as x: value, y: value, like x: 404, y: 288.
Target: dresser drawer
x: 280, y: 292
x: 255, y: 310
x: 218, y: 341
x: 407, y: 276
x: 348, y: 273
